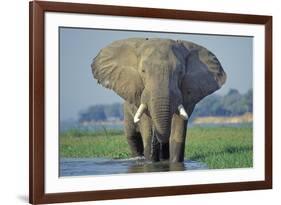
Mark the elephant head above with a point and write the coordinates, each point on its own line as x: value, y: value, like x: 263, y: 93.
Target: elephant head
x: 161, y: 77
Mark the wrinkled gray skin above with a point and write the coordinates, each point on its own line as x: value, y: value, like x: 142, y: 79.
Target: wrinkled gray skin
x: 160, y: 74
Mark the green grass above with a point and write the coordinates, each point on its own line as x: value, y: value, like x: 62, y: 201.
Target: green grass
x: 223, y: 147
x: 79, y: 144
x: 218, y: 147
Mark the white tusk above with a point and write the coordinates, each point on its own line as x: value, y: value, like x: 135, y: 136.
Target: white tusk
x: 182, y: 112
x: 139, y: 113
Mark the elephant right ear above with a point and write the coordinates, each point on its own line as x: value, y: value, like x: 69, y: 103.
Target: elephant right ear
x: 115, y: 67
x: 204, y: 73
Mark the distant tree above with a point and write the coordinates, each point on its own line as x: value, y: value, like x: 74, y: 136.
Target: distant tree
x: 114, y: 110
x: 208, y: 106
x: 233, y: 92
x: 248, y: 98
x: 93, y: 113
x: 232, y: 104
x: 236, y: 104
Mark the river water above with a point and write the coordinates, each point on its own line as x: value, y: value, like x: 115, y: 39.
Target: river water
x: 102, y: 166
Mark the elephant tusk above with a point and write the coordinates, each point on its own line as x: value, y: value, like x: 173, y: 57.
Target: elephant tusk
x: 182, y: 112
x: 139, y: 113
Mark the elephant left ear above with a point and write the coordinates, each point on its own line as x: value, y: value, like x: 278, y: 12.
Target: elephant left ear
x: 204, y: 73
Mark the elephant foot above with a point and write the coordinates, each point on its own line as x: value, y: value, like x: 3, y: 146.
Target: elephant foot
x: 139, y: 158
x: 176, y: 166
x: 176, y: 152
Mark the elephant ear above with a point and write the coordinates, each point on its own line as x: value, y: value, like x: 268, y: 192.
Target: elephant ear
x: 204, y: 74
x: 115, y: 67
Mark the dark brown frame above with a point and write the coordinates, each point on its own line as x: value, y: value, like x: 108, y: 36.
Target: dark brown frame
x: 37, y: 95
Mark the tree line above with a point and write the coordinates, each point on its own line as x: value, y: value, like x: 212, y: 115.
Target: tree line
x: 102, y: 113
x: 231, y: 104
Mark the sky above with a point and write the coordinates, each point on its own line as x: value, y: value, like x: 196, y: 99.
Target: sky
x: 78, y: 46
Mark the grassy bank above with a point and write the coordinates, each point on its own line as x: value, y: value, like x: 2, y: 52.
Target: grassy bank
x: 218, y: 147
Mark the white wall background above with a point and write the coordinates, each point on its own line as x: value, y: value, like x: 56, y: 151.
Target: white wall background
x: 14, y: 100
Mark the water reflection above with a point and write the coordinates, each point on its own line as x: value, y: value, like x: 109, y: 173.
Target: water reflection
x: 101, y: 166
x: 163, y: 166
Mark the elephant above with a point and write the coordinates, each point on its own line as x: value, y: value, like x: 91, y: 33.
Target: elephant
x: 161, y: 81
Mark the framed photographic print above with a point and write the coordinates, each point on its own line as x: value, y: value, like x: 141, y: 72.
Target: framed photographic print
x: 138, y: 102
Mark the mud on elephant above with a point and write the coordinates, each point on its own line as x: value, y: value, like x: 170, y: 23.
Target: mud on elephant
x: 161, y: 80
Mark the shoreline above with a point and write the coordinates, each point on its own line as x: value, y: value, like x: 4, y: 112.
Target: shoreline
x: 245, y: 118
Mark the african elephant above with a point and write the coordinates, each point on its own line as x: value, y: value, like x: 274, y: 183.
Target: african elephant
x: 161, y: 80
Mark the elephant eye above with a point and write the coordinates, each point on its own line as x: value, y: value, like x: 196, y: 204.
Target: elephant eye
x: 143, y: 71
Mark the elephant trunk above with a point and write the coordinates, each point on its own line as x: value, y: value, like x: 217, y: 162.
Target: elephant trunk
x: 161, y: 117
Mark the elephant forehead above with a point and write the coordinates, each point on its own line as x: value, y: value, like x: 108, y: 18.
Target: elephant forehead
x: 162, y: 53
x: 157, y: 45
x: 154, y: 53
x: 157, y: 60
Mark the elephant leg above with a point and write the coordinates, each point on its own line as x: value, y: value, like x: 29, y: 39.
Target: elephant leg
x: 135, y: 143
x: 164, y: 151
x: 160, y: 150
x: 134, y: 138
x: 145, y: 126
x: 155, y: 146
x: 177, y: 139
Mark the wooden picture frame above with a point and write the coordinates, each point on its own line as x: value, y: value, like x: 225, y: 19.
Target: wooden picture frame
x: 37, y: 194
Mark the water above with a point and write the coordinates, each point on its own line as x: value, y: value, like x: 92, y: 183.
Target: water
x: 102, y: 166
